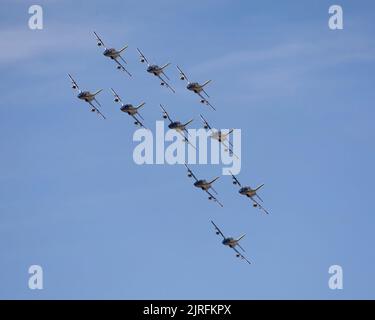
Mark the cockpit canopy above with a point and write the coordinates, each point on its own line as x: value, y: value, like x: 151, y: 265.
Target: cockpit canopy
x: 174, y: 124
x: 109, y: 51
x: 193, y: 85
x: 83, y: 94
x: 227, y: 240
x: 152, y: 68
x: 244, y: 189
x: 199, y: 182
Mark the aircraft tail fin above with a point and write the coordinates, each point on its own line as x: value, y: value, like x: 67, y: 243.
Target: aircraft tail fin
x: 123, y: 48
x: 141, y: 105
x: 97, y: 92
x: 241, y: 237
x: 205, y: 83
x: 211, y: 182
x: 187, y: 123
x: 166, y: 65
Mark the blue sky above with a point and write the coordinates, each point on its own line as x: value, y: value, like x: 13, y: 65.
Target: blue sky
x: 73, y: 201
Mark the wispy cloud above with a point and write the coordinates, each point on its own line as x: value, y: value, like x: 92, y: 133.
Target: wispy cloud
x: 24, y: 44
x: 321, y: 52
x: 281, y: 69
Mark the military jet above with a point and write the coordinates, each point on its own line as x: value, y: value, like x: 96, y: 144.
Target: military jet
x: 177, y: 125
x: 231, y: 243
x: 250, y: 193
x: 130, y: 109
x: 204, y: 185
x: 113, y: 54
x: 156, y: 70
x: 219, y: 136
x: 196, y: 88
x: 87, y: 96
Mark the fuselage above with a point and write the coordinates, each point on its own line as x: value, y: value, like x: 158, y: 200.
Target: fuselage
x: 218, y: 136
x: 247, y: 191
x: 230, y: 242
x: 176, y: 125
x: 86, y: 95
x: 194, y: 86
x: 203, y: 184
x: 154, y: 69
x: 111, y: 53
x: 129, y: 109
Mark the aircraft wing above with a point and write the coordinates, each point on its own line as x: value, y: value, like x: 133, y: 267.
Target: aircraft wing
x: 217, y: 229
x: 205, y: 122
x: 96, y: 109
x: 235, y: 179
x: 259, y: 205
x: 143, y: 56
x: 140, y: 123
x: 214, y: 198
x: 257, y: 195
x: 73, y: 81
x: 185, y: 138
x: 241, y: 255
x: 116, y: 95
x: 122, y: 67
x: 206, y: 101
x: 99, y: 40
x: 182, y: 74
x: 230, y: 148
x: 230, y: 143
x: 166, y: 113
x: 164, y: 72
x: 166, y: 83
x: 191, y: 172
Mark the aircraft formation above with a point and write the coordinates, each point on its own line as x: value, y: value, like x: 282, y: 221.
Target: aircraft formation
x: 180, y: 127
